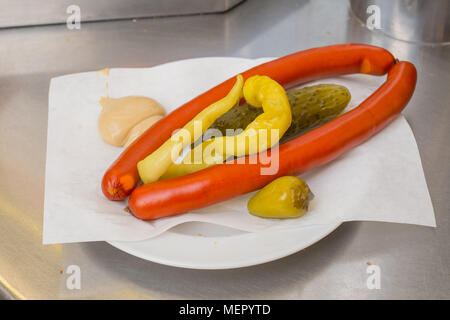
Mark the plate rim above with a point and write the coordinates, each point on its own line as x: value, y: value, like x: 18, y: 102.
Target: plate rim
x: 125, y: 247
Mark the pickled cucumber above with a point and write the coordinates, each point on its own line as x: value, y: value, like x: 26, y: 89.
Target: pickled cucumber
x: 311, y: 106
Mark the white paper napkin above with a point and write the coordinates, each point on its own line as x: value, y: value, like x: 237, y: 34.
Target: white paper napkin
x: 381, y: 180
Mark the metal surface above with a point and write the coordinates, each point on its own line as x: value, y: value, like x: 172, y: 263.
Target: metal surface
x: 15, y: 13
x: 410, y: 20
x: 414, y: 260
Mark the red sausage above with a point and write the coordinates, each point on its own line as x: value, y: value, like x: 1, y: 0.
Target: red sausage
x: 122, y: 177
x: 313, y: 149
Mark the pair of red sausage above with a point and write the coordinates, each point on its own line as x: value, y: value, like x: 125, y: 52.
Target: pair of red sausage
x: 310, y: 150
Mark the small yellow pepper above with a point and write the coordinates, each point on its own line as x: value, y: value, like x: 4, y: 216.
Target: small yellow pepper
x: 285, y: 197
x: 259, y: 91
x: 153, y: 166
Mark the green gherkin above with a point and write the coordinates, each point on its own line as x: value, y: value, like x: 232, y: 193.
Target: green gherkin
x: 311, y: 106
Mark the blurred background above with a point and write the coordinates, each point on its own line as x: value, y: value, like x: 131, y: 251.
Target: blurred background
x: 43, y: 39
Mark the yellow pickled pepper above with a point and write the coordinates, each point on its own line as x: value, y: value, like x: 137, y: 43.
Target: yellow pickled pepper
x: 285, y: 197
x: 153, y: 166
x: 258, y: 91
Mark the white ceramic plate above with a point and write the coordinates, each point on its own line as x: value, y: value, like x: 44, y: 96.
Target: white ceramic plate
x: 199, y: 245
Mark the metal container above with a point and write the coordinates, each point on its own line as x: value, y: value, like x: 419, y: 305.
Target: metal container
x: 421, y: 21
x: 17, y: 13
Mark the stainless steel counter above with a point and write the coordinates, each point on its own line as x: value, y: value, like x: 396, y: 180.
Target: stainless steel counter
x: 414, y: 261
